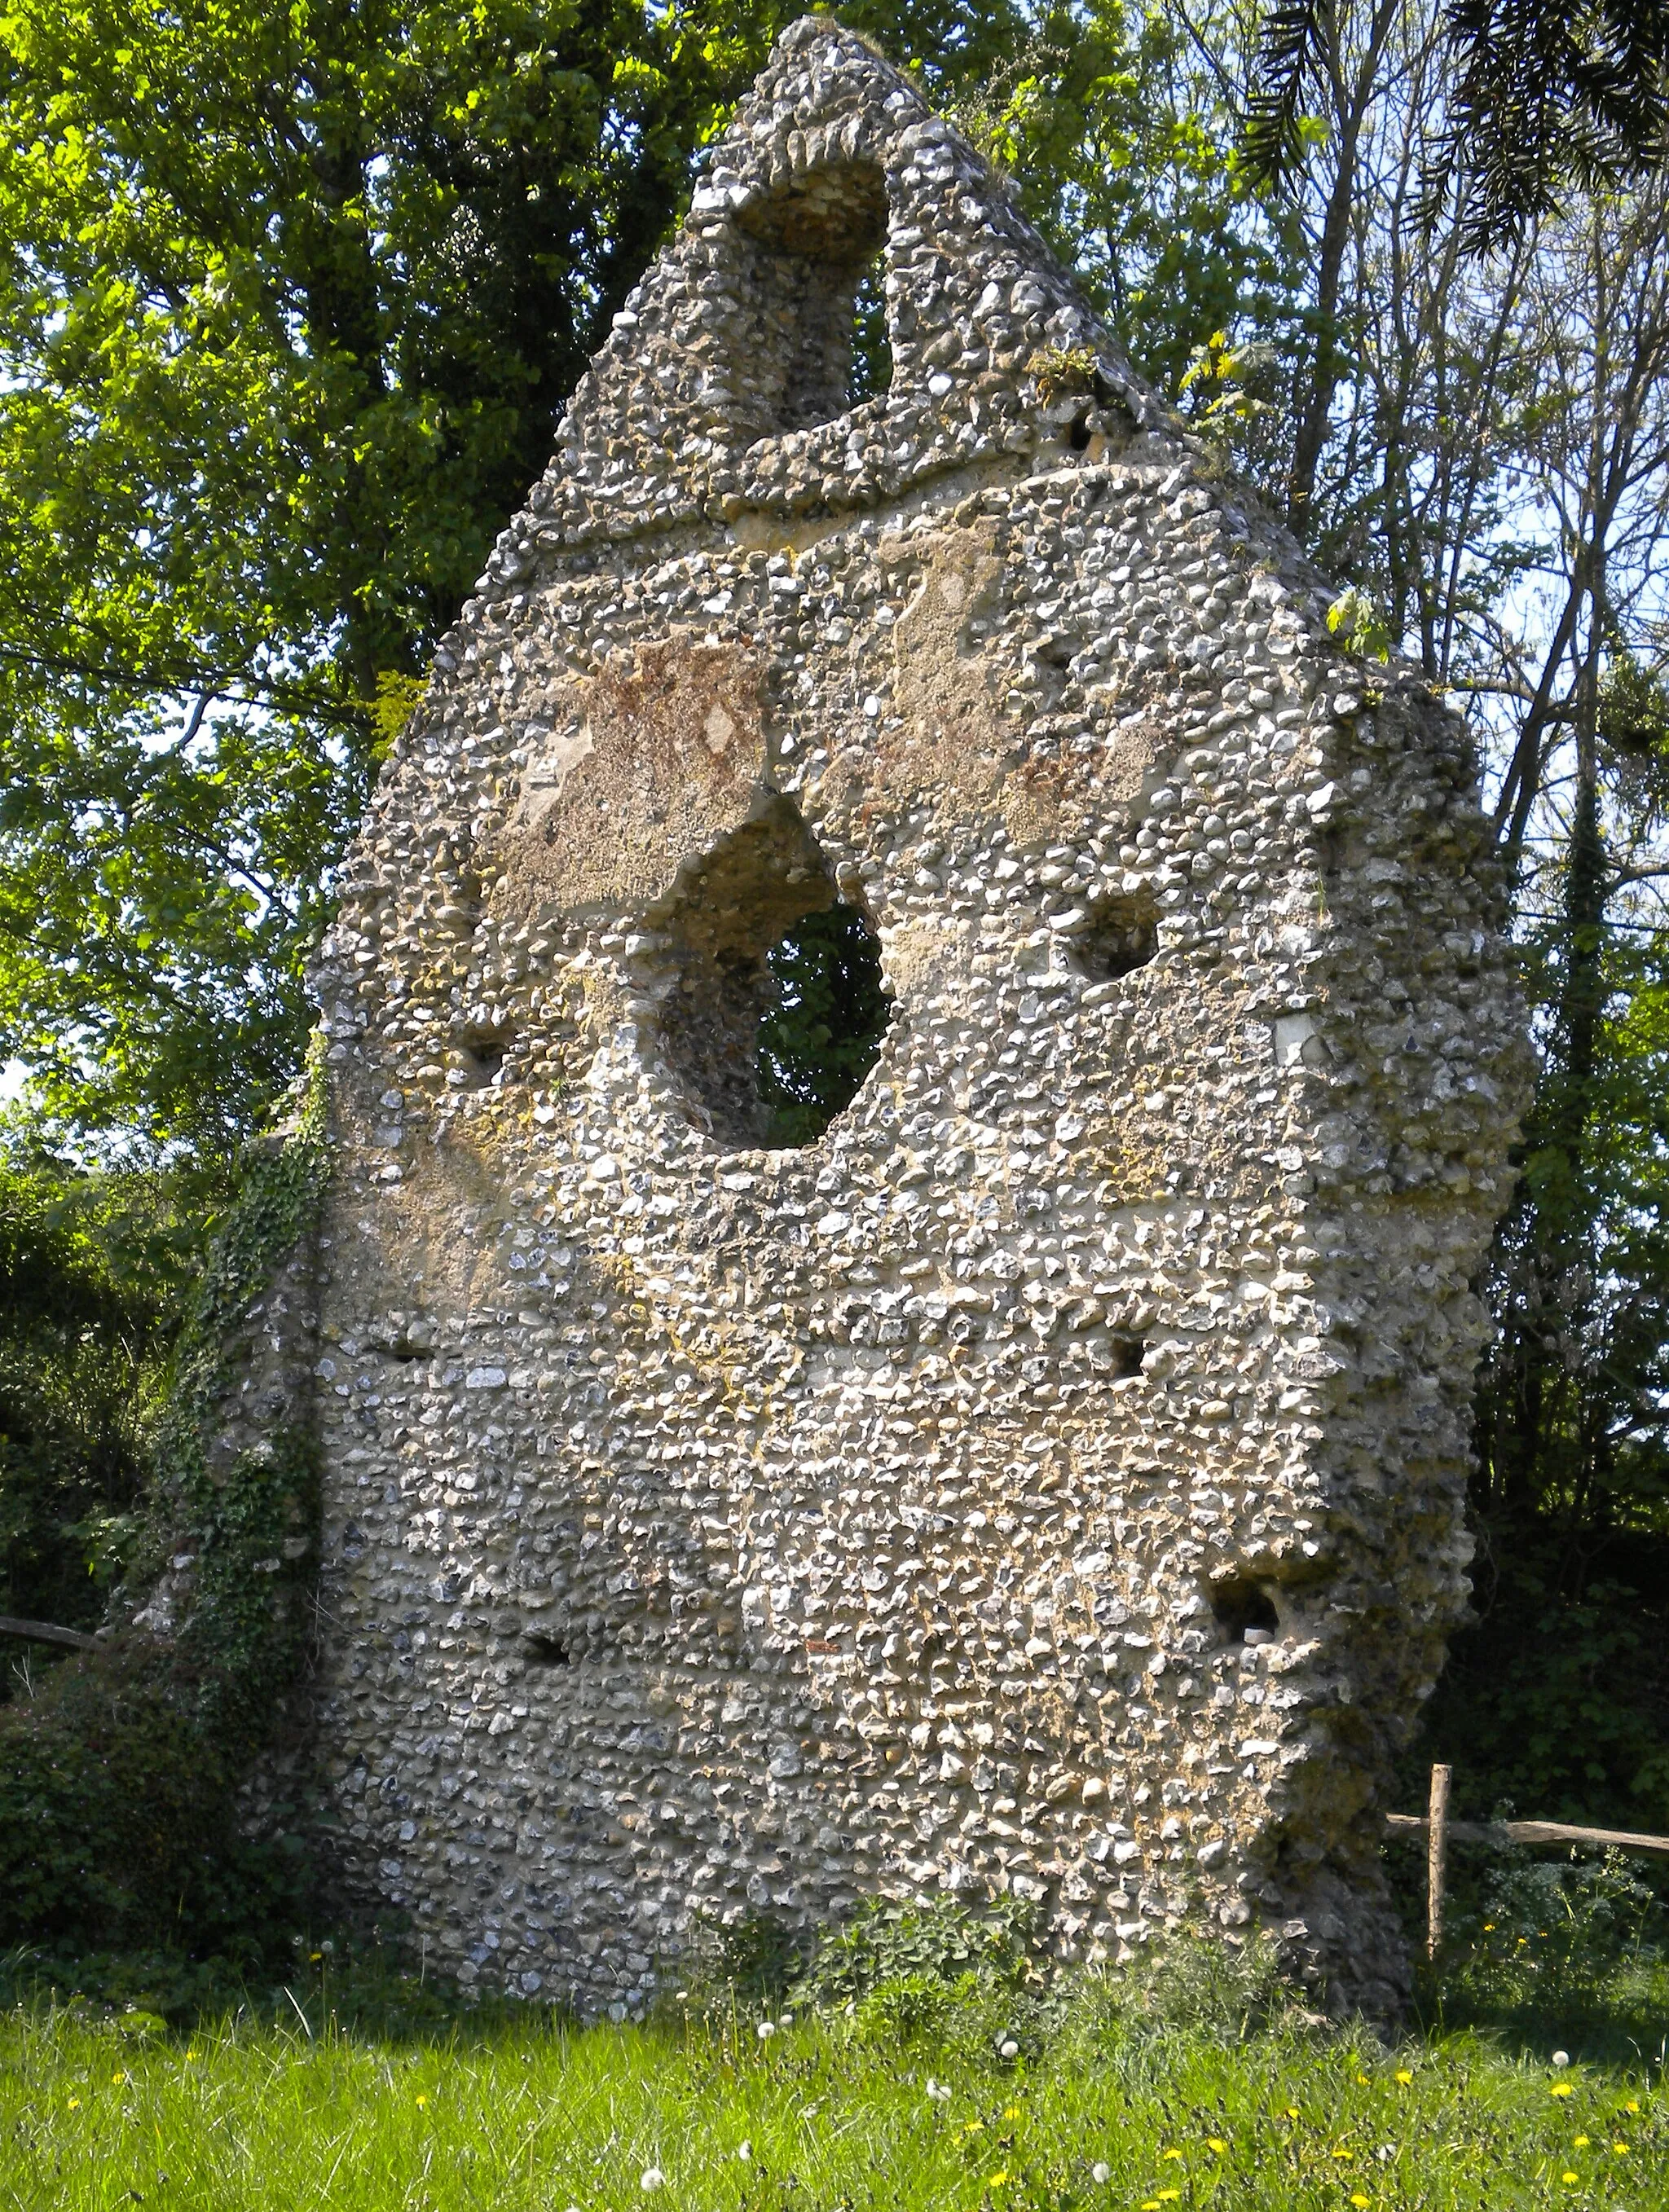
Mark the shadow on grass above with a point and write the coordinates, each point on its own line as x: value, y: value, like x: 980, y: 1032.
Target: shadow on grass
x: 1622, y: 2022
x: 367, y: 1992
x: 363, y: 1988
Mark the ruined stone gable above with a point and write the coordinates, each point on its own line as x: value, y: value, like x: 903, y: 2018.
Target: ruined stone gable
x: 1050, y: 1479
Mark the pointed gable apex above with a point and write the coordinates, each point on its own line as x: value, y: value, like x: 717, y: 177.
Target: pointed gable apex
x: 723, y: 383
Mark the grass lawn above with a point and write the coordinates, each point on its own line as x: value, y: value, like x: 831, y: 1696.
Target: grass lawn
x: 1108, y: 2109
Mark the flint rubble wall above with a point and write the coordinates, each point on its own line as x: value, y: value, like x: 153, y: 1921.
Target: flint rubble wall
x: 1051, y: 1480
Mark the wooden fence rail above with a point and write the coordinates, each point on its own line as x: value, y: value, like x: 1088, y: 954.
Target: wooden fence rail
x: 1503, y: 1833
x: 1439, y: 1830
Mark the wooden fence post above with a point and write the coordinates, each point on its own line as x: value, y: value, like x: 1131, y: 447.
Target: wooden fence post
x: 1437, y: 1840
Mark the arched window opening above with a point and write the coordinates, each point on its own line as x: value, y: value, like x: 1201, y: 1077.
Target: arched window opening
x: 818, y: 344
x: 772, y: 1010
x: 822, y: 1035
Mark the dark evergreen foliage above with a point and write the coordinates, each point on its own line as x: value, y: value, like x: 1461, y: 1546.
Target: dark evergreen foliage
x: 1543, y: 96
x: 821, y: 1039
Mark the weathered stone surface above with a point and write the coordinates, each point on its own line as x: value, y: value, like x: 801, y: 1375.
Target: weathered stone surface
x: 1052, y: 1479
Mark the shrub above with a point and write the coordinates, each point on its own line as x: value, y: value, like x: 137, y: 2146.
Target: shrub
x: 882, y: 1941
x: 119, y: 1777
x: 754, y: 1956
x: 1554, y: 1932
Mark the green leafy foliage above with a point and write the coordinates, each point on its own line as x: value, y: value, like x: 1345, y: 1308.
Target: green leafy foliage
x: 1121, y: 148
x: 1543, y: 98
x: 871, y: 347
x: 1218, y: 383
x: 820, y: 1039
x: 292, y: 301
x: 1565, y: 1926
x: 291, y: 304
x: 118, y: 1775
x: 1295, y: 44
x: 753, y: 1958
x: 1548, y: 96
x: 1359, y: 626
x: 1557, y: 1699
x: 87, y: 1293
x: 883, y: 1942
x: 1561, y: 1952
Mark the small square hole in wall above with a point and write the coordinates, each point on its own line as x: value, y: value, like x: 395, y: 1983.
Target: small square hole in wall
x: 1244, y: 1609
x: 542, y: 1647
x: 1122, y: 935
x: 821, y: 335
x: 478, y: 1057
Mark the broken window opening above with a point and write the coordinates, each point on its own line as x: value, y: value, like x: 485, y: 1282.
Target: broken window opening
x: 1122, y: 936
x: 1244, y: 1609
x: 824, y: 1033
x: 821, y: 343
x: 772, y: 1015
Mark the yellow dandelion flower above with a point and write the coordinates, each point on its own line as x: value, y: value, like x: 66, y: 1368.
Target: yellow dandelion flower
x: 1633, y: 2105
x: 1621, y: 2150
x: 1567, y: 2175
x: 1014, y: 2111
x: 1581, y: 2143
x: 1360, y: 2203
x: 998, y: 2179
x: 1405, y: 2075
x: 1560, y: 2089
x: 1150, y: 2204
x: 1292, y: 2112
x: 189, y: 2055
x: 1170, y: 2153
x: 1215, y: 2143
x: 422, y: 2103
x: 1361, y: 2080
x: 116, y: 2078
x: 1341, y: 2153
x: 75, y: 2104
x: 1168, y: 2196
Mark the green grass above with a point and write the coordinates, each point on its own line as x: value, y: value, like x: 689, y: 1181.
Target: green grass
x: 1114, y: 2110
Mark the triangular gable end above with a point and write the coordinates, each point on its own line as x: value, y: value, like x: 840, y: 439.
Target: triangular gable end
x: 722, y: 386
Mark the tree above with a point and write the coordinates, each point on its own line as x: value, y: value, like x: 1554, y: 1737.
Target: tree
x: 820, y: 1037
x: 87, y: 1293
x: 1118, y: 126
x: 1541, y: 97
x: 292, y: 302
